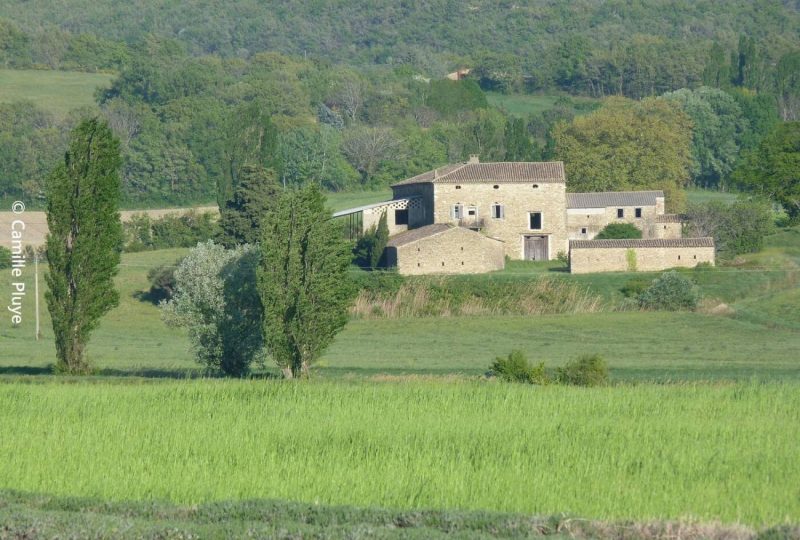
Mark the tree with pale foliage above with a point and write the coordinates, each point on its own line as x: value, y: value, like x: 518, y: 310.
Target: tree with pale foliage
x: 628, y: 145
x: 367, y: 147
x: 302, y: 280
x: 717, y: 124
x: 84, y: 239
x: 216, y: 300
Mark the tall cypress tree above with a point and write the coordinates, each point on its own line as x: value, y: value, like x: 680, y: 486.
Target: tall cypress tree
x: 84, y: 241
x: 240, y: 218
x: 302, y: 279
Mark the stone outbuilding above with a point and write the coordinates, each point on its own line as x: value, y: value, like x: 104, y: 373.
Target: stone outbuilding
x: 444, y: 248
x: 587, y: 256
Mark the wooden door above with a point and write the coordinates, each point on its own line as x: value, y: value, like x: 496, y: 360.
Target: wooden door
x: 536, y: 248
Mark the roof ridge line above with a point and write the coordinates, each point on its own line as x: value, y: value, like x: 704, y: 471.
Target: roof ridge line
x: 445, y: 175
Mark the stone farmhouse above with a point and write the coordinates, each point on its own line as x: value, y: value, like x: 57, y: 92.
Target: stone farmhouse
x: 469, y: 217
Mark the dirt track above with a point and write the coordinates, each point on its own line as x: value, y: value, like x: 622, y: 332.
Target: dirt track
x: 36, y: 222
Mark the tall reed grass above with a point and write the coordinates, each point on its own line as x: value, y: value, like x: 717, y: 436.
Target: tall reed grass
x: 444, y: 297
x: 715, y: 452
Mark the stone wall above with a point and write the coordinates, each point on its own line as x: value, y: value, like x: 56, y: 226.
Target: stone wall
x: 593, y: 220
x: 639, y: 255
x: 456, y: 250
x: 668, y: 226
x: 518, y: 199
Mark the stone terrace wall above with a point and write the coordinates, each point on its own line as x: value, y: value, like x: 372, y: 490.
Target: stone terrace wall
x: 587, y: 256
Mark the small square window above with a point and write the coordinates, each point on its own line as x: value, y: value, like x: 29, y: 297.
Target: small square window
x: 620, y: 212
x: 401, y: 217
x: 535, y: 220
x: 583, y: 230
x: 638, y: 212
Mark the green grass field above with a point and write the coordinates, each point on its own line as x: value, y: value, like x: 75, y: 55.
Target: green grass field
x: 701, y: 421
x: 697, y: 195
x: 635, y: 452
x: 56, y: 91
x: 352, y: 199
x: 524, y: 105
x: 760, y: 339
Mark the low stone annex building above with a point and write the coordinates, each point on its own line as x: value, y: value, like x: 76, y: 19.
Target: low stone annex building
x: 467, y: 217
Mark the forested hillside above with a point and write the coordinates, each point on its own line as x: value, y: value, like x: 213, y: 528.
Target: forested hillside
x: 598, y: 46
x: 351, y: 94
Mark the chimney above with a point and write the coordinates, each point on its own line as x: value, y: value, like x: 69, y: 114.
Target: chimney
x: 473, y: 158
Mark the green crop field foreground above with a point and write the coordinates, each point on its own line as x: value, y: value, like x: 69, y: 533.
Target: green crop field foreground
x: 724, y: 452
x: 700, y: 424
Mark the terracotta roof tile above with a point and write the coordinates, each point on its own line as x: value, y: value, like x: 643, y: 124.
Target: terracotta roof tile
x: 670, y: 218
x: 604, y: 199
x: 500, y: 172
x: 649, y: 243
x: 413, y: 235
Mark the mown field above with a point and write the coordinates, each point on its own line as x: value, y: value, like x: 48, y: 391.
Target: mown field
x: 758, y: 335
x: 55, y: 91
x: 643, y: 452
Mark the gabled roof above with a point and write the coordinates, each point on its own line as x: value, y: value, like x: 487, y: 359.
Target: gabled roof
x: 604, y: 199
x: 413, y: 235
x: 497, y: 173
x: 641, y: 243
x: 670, y: 218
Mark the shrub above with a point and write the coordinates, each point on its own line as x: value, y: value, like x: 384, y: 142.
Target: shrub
x: 5, y: 257
x: 368, y: 252
x: 217, y: 300
x: 563, y: 258
x: 515, y: 368
x: 670, y: 292
x: 142, y: 232
x: 587, y: 370
x: 618, y: 231
x: 381, y: 282
x: 737, y: 228
x: 162, y: 282
x: 635, y: 287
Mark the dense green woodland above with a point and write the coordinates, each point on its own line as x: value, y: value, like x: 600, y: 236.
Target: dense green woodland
x: 350, y: 94
x: 548, y: 38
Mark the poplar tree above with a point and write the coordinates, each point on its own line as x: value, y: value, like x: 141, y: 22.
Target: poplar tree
x: 84, y: 239
x: 302, y: 280
x: 240, y: 217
